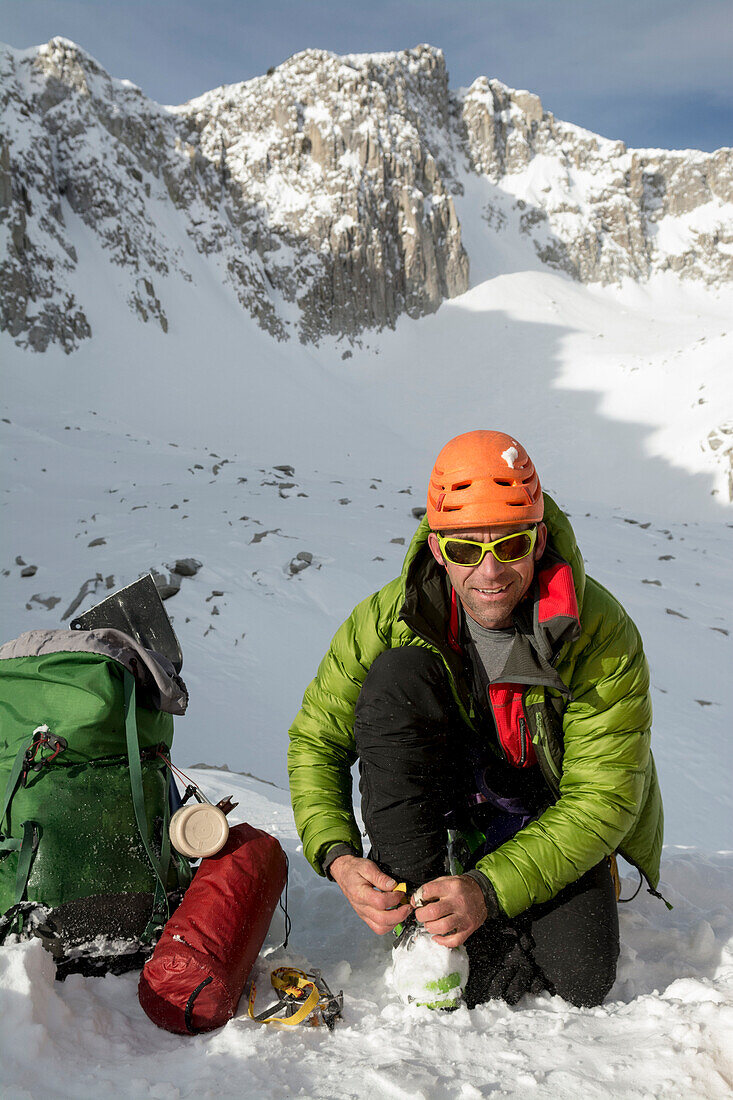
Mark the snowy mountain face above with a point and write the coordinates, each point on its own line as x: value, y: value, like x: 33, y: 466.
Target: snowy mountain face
x: 324, y: 195
x: 314, y: 186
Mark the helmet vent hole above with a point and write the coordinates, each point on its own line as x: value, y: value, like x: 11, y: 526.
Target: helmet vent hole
x: 462, y: 485
x: 502, y: 481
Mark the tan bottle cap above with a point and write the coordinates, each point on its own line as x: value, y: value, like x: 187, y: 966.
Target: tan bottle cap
x: 199, y: 830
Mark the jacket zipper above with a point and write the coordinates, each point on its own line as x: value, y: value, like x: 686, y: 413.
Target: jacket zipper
x: 497, y: 738
x: 522, y: 740
x: 523, y: 745
x: 542, y: 756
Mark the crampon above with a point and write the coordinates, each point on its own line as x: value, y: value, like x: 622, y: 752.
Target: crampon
x: 304, y: 998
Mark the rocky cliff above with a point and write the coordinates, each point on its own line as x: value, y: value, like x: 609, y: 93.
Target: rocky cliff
x: 325, y: 194
x: 592, y: 207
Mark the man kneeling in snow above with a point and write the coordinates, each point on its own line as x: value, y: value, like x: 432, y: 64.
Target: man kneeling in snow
x: 497, y: 701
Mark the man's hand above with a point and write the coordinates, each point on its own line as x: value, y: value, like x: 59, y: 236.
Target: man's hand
x: 370, y: 893
x: 453, y: 907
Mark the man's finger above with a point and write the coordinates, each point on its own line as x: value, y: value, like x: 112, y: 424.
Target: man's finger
x: 381, y: 923
x: 393, y: 913
x: 455, y: 939
x: 372, y: 874
x: 370, y: 898
x: 434, y: 911
x: 380, y: 929
x: 424, y: 895
x: 446, y: 926
x: 434, y: 889
x: 373, y: 895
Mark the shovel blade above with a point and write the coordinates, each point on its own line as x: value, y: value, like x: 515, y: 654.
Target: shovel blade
x: 136, y: 610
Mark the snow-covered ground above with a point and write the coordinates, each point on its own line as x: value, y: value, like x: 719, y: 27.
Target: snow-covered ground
x: 664, y: 1031
x: 142, y: 448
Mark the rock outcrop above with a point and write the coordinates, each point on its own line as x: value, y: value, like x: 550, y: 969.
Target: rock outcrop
x: 331, y: 168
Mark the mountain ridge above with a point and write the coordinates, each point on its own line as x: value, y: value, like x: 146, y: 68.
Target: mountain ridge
x: 325, y: 193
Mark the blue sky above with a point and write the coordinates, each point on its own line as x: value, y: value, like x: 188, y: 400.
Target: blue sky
x: 651, y: 72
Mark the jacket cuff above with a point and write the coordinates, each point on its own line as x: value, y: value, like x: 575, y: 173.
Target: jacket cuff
x: 333, y: 853
x: 493, y: 911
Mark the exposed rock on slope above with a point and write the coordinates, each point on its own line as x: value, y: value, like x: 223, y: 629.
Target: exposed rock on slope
x: 322, y: 194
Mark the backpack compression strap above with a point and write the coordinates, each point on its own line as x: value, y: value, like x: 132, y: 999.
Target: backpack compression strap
x: 160, y: 903
x: 13, y: 780
x: 28, y: 847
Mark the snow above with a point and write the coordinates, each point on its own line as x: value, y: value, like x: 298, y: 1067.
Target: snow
x: 420, y: 968
x: 664, y: 1030
x: 648, y: 527
x: 673, y: 233
x: 166, y: 446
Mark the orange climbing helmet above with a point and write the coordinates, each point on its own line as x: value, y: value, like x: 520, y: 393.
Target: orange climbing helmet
x: 482, y: 478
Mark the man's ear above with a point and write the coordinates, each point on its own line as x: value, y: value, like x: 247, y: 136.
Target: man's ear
x: 435, y: 548
x: 539, y: 546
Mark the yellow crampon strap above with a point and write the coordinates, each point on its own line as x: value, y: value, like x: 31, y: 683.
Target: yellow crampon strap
x: 295, y: 988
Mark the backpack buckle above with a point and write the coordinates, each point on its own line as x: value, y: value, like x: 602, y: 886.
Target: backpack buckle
x: 42, y: 739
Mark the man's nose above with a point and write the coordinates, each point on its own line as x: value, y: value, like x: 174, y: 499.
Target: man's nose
x: 490, y: 567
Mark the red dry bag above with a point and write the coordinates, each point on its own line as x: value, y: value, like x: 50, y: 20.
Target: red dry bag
x: 196, y: 975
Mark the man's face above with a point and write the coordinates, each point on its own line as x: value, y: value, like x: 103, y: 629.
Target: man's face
x: 491, y: 590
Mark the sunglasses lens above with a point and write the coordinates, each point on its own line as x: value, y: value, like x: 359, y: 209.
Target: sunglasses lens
x: 462, y: 553
x: 514, y: 548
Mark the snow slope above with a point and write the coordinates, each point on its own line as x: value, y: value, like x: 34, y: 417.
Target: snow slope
x: 664, y: 1031
x: 145, y: 447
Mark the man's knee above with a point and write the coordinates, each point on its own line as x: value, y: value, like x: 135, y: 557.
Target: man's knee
x: 406, y: 708
x: 588, y: 985
x: 577, y: 939
x: 404, y: 731
x: 407, y: 675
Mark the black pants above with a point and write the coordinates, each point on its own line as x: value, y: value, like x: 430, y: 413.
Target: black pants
x: 415, y: 753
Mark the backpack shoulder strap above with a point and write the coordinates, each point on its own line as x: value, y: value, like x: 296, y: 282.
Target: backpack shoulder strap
x: 12, y: 783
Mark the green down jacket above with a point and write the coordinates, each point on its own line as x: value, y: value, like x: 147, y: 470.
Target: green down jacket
x: 590, y: 731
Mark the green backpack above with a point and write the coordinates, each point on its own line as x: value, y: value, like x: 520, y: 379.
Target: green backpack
x: 86, y: 725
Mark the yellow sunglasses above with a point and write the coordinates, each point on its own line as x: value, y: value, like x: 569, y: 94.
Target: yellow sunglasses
x: 506, y: 549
